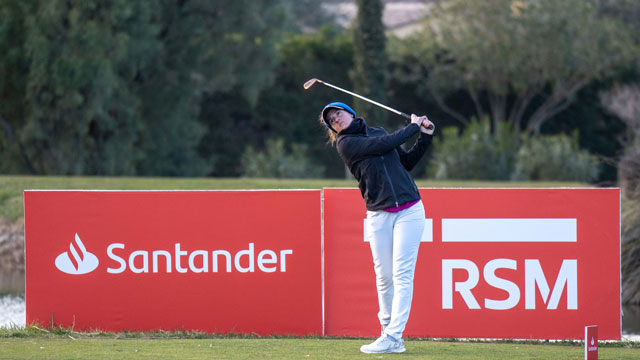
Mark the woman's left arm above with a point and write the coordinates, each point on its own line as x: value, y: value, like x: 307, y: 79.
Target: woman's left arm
x: 410, y: 158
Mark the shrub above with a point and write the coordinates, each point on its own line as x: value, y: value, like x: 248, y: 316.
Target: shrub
x: 276, y: 162
x: 476, y: 153
x: 556, y: 158
x: 480, y: 154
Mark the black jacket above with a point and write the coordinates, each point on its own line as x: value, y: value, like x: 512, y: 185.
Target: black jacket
x: 380, y: 164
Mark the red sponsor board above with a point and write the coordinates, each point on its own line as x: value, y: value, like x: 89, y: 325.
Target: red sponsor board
x: 215, y: 261
x: 494, y: 263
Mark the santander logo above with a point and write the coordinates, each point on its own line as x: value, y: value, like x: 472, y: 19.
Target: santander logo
x: 77, y: 260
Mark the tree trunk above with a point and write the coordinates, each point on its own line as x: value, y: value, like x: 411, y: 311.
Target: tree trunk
x: 369, y: 59
x: 443, y: 105
x: 12, y: 136
x: 498, y: 109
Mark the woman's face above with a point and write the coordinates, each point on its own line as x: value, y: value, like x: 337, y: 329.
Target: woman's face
x: 339, y: 119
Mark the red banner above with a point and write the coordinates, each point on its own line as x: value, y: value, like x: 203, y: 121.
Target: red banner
x: 493, y: 263
x: 215, y: 261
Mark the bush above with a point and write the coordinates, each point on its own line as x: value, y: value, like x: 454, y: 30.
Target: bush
x: 275, y: 162
x: 555, y: 158
x: 475, y: 154
x: 480, y: 154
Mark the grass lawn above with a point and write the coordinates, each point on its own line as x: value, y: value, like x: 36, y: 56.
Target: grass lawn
x: 60, y: 348
x: 12, y: 187
x: 33, y: 343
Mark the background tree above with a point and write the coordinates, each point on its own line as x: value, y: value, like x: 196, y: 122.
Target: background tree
x: 81, y: 114
x: 520, y: 62
x: 171, y: 87
x: 283, y: 109
x: 207, y: 48
x: 307, y: 15
x: 369, y: 59
x: 117, y: 87
x: 624, y: 100
x: 13, y: 74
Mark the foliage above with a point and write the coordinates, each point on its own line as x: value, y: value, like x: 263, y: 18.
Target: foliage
x: 116, y: 87
x: 13, y: 74
x: 369, y: 58
x: 283, y: 109
x: 208, y: 47
x: 475, y: 153
x: 556, y: 158
x: 520, y: 62
x: 180, y: 88
x: 600, y: 131
x: 307, y: 15
x: 624, y: 101
x: 277, y: 162
x: 630, y: 252
x: 478, y: 153
x: 80, y: 115
x: 627, y: 11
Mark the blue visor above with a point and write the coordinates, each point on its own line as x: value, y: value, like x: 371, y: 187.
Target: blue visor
x: 335, y: 105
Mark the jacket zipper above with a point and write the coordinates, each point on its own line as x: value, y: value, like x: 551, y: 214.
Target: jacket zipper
x: 386, y: 173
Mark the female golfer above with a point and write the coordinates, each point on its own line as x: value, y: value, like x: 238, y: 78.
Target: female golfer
x: 395, y: 214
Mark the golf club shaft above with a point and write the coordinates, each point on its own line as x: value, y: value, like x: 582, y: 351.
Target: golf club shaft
x: 406, y: 116
x: 366, y: 99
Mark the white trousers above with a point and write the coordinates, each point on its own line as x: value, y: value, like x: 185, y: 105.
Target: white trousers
x: 394, y: 239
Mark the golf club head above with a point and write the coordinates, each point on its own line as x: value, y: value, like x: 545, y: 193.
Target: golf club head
x: 309, y: 83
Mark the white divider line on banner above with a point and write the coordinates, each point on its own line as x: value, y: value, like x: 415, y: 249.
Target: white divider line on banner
x: 509, y: 230
x: 427, y: 234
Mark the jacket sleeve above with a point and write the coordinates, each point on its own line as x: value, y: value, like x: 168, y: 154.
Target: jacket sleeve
x: 410, y: 158
x: 353, y: 148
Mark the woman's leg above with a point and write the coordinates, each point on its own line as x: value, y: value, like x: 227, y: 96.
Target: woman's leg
x: 407, y: 233
x: 380, y: 236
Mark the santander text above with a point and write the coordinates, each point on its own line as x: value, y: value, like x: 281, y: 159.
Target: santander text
x: 196, y: 261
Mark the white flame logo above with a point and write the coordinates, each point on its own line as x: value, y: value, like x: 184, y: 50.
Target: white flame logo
x: 592, y: 342
x: 76, y: 262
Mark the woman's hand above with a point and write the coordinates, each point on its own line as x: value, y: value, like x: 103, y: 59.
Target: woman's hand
x: 417, y: 119
x: 424, y: 123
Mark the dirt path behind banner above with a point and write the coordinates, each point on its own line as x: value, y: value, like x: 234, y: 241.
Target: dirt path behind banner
x: 11, y: 256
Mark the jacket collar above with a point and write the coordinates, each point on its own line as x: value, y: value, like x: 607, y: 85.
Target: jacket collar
x: 357, y: 126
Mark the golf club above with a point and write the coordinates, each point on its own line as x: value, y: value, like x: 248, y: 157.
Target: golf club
x: 311, y: 82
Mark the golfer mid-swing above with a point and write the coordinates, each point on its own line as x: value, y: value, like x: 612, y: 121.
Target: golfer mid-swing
x: 395, y: 214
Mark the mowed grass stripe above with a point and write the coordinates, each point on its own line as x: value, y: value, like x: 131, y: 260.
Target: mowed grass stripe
x: 57, y: 348
x: 12, y: 187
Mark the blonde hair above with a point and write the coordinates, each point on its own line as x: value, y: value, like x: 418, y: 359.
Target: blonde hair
x: 331, y: 135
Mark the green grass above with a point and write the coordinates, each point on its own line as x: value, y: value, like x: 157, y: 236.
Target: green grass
x: 12, y: 187
x: 82, y: 346
x: 36, y: 343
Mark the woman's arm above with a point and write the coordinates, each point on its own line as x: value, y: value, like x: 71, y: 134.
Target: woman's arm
x: 356, y: 147
x: 410, y: 158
